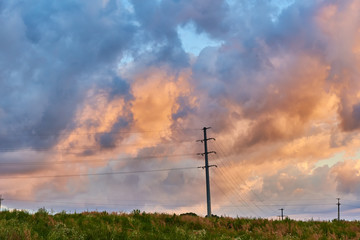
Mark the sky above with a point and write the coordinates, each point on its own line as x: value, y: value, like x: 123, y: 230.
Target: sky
x: 102, y: 101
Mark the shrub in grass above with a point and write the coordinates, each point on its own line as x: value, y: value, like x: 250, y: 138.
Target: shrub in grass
x: 137, y: 225
x: 61, y: 232
x: 10, y: 229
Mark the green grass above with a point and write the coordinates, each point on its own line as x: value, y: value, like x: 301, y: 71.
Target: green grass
x: 137, y: 225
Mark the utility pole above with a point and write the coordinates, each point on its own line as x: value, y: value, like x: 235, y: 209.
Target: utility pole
x: 0, y: 202
x: 206, y: 153
x: 282, y: 213
x: 338, y: 204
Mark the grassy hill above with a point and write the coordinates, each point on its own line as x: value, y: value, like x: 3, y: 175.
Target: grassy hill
x: 137, y: 225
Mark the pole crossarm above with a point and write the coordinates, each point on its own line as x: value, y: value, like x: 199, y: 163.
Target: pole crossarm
x: 202, y: 154
x: 203, y: 140
x: 203, y: 167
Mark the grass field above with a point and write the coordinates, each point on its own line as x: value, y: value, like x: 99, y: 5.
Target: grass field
x: 137, y: 225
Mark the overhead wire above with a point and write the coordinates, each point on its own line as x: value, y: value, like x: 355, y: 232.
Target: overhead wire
x: 69, y: 149
x: 95, y: 160
x: 295, y: 205
x: 50, y: 149
x: 238, y: 176
x: 84, y: 160
x: 284, y: 200
x: 270, y: 205
x: 227, y: 196
x: 228, y: 178
x: 100, y: 174
x: 166, y: 204
x: 233, y: 188
x: 233, y: 182
x: 221, y: 148
x: 37, y: 134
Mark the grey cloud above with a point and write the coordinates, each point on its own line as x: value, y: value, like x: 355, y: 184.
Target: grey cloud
x: 243, y: 72
x: 14, y: 162
x: 118, y: 88
x: 160, y: 31
x: 287, y: 183
x: 346, y: 176
x: 161, y: 19
x: 350, y: 115
x: 208, y: 17
x: 356, y: 114
x: 130, y: 191
x: 184, y: 110
x: 52, y: 52
x: 174, y: 182
x: 109, y: 140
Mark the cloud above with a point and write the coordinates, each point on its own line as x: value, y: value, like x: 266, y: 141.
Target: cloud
x: 108, y: 83
x: 54, y: 53
x: 347, y: 176
x: 335, y: 19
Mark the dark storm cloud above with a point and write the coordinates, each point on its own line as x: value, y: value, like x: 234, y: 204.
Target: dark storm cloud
x: 119, y: 87
x: 356, y: 114
x: 160, y: 32
x: 162, y: 17
x: 160, y: 20
x: 350, y: 114
x: 52, y: 52
x: 110, y: 139
x: 184, y: 110
x: 279, y: 69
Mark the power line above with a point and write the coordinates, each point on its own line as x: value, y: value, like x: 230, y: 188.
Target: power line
x: 181, y: 204
x: 101, y: 174
x: 262, y: 202
x: 233, y: 182
x: 229, y: 199
x: 229, y: 179
x: 287, y: 205
x: 302, y: 200
x: 83, y: 161
x: 256, y: 195
x: 305, y: 204
x: 37, y: 134
x: 232, y: 189
x: 37, y: 149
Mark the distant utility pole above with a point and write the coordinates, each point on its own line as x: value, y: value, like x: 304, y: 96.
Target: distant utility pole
x: 338, y: 204
x: 206, y: 153
x: 0, y: 202
x: 282, y: 214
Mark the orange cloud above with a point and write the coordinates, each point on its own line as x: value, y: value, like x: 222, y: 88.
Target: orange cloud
x: 156, y: 92
x: 347, y: 175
